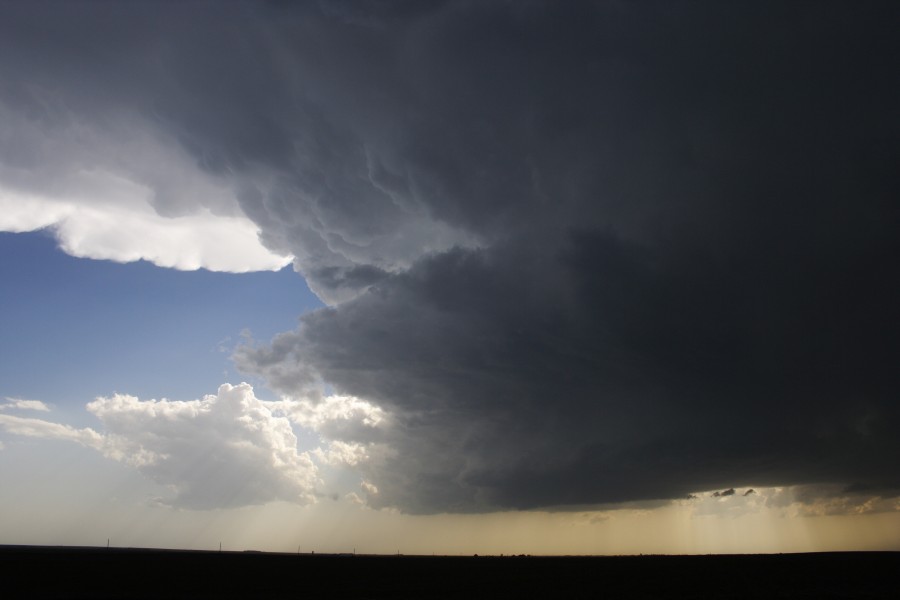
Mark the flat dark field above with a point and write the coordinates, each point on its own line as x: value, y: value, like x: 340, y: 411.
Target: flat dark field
x: 39, y: 572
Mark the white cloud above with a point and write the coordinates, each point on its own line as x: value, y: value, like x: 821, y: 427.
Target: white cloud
x: 186, y: 243
x: 341, y: 454
x: 336, y: 417
x: 350, y: 427
x: 22, y: 404
x: 133, y: 231
x: 224, y: 450
x: 114, y: 191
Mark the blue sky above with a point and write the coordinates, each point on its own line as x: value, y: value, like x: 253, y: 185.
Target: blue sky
x: 76, y: 328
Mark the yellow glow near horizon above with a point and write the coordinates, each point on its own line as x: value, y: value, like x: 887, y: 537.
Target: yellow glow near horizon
x: 43, y: 509
x: 284, y: 528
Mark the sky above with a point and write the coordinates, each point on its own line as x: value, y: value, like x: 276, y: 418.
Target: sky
x: 450, y: 277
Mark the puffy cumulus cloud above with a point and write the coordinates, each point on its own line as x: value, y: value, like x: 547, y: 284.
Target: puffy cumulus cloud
x: 224, y: 450
x: 342, y: 454
x: 578, y: 252
x: 351, y: 430
x: 23, y: 404
x: 336, y: 417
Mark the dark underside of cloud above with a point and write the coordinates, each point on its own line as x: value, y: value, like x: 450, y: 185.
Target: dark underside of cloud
x: 581, y: 252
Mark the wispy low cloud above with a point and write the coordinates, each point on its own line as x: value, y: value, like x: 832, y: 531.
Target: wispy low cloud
x: 45, y: 429
x: 23, y: 404
x: 793, y: 501
x: 829, y: 500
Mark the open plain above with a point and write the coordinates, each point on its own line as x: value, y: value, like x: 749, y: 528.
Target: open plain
x: 83, y: 573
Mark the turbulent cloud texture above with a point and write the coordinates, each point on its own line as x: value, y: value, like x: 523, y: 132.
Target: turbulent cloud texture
x: 579, y: 252
x: 78, y: 157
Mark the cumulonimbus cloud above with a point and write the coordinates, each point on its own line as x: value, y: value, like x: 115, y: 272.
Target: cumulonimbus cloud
x: 579, y: 253
x: 675, y: 286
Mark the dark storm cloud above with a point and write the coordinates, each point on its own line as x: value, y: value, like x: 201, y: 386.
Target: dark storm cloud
x: 581, y: 252
x: 684, y: 279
